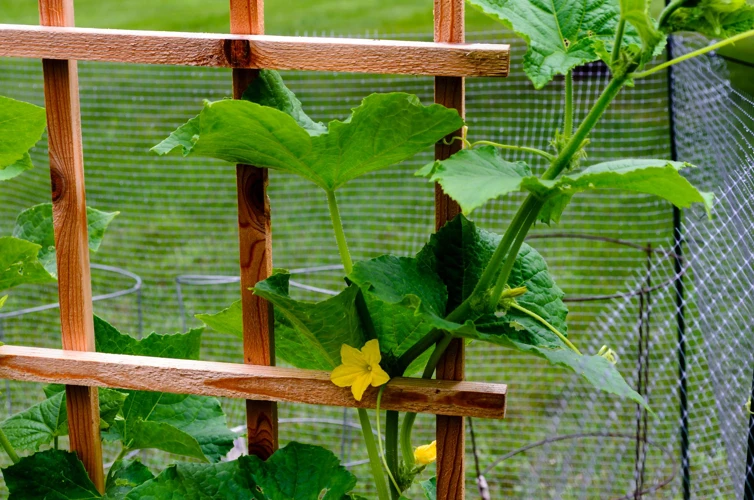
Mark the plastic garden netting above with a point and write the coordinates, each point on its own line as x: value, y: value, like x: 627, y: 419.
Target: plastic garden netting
x: 614, y: 256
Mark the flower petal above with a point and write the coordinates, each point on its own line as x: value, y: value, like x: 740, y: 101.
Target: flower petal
x: 346, y: 375
x: 379, y: 376
x: 360, y: 385
x: 371, y: 352
x: 351, y: 356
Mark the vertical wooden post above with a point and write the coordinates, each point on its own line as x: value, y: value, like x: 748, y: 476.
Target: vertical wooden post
x: 449, y: 91
x: 247, y: 17
x: 71, y: 240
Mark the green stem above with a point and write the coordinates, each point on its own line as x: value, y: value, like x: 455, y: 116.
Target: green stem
x: 463, y: 311
x: 510, y: 260
x: 568, y: 122
x: 416, y: 350
x: 434, y: 359
x: 406, y: 449
x: 618, y: 40
x: 55, y: 443
x: 513, y: 148
x: 669, y: 11
x: 374, y: 456
x: 5, y: 443
x: 548, y: 325
x: 391, y: 449
x: 394, y: 488
x: 693, y: 54
x: 566, y: 154
x: 340, y: 235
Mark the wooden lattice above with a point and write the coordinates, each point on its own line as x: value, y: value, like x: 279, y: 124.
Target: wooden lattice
x: 246, y: 50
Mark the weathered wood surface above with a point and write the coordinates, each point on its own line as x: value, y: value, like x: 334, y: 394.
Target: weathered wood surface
x: 255, y: 51
x: 450, y: 433
x: 71, y: 242
x: 235, y: 380
x: 255, y: 245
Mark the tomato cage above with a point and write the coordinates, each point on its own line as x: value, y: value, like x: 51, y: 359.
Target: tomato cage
x: 669, y: 293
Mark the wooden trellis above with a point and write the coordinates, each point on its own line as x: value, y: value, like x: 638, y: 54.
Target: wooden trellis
x: 246, y: 50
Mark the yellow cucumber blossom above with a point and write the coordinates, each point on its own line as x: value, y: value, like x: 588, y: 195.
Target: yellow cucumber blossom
x: 360, y: 369
x: 608, y: 354
x: 426, y: 454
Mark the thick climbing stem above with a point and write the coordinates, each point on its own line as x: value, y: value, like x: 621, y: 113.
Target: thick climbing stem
x: 568, y: 120
x: 340, y: 235
x: 668, y: 11
x: 694, y: 54
x: 510, y: 260
x: 374, y: 455
x: 546, y: 324
x: 5, y: 443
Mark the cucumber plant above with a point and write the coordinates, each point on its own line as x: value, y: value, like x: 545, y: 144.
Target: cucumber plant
x: 394, y: 315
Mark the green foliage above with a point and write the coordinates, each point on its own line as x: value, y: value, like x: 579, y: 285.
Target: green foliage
x: 186, y: 425
x: 385, y: 129
x: 713, y: 18
x: 310, y: 335
x: 124, y: 476
x: 51, y: 474
x: 17, y: 168
x: 561, y: 34
x: 21, y: 126
x: 475, y: 176
x: 47, y: 420
x: 430, y: 488
x: 297, y: 471
x: 19, y: 264
x: 35, y: 224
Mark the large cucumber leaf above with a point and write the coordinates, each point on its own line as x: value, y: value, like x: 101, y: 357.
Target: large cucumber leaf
x: 35, y: 224
x: 187, y: 425
x: 16, y: 168
x: 561, y: 34
x: 384, y: 130
x: 43, y: 422
x: 307, y: 334
x: 299, y: 471
x: 712, y: 18
x: 21, y: 126
x: 473, y: 177
x: 124, y: 476
x: 19, y: 263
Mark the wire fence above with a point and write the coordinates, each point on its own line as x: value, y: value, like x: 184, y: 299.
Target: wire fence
x: 613, y: 254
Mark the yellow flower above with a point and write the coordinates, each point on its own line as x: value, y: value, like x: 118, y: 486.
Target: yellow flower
x: 426, y: 454
x: 360, y: 368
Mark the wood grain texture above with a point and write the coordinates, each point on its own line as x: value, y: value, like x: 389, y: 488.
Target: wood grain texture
x: 71, y: 240
x: 449, y: 16
x: 255, y: 51
x: 236, y: 380
x: 255, y: 245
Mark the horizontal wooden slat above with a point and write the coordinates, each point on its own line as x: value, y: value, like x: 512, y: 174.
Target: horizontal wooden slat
x: 255, y: 51
x: 268, y: 383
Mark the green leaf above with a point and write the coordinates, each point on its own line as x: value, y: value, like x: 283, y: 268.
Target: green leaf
x: 110, y: 402
x: 712, y: 18
x: 385, y: 129
x: 228, y: 321
x: 636, y: 12
x: 36, y: 225
x: 50, y: 474
x: 19, y: 263
x: 17, y: 168
x: 21, y: 126
x: 474, y: 176
x: 656, y: 177
x: 561, y: 34
x: 268, y: 89
x: 38, y: 425
x: 193, y: 426
x: 125, y: 476
x: 297, y: 471
x: 430, y: 488
x: 307, y: 334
